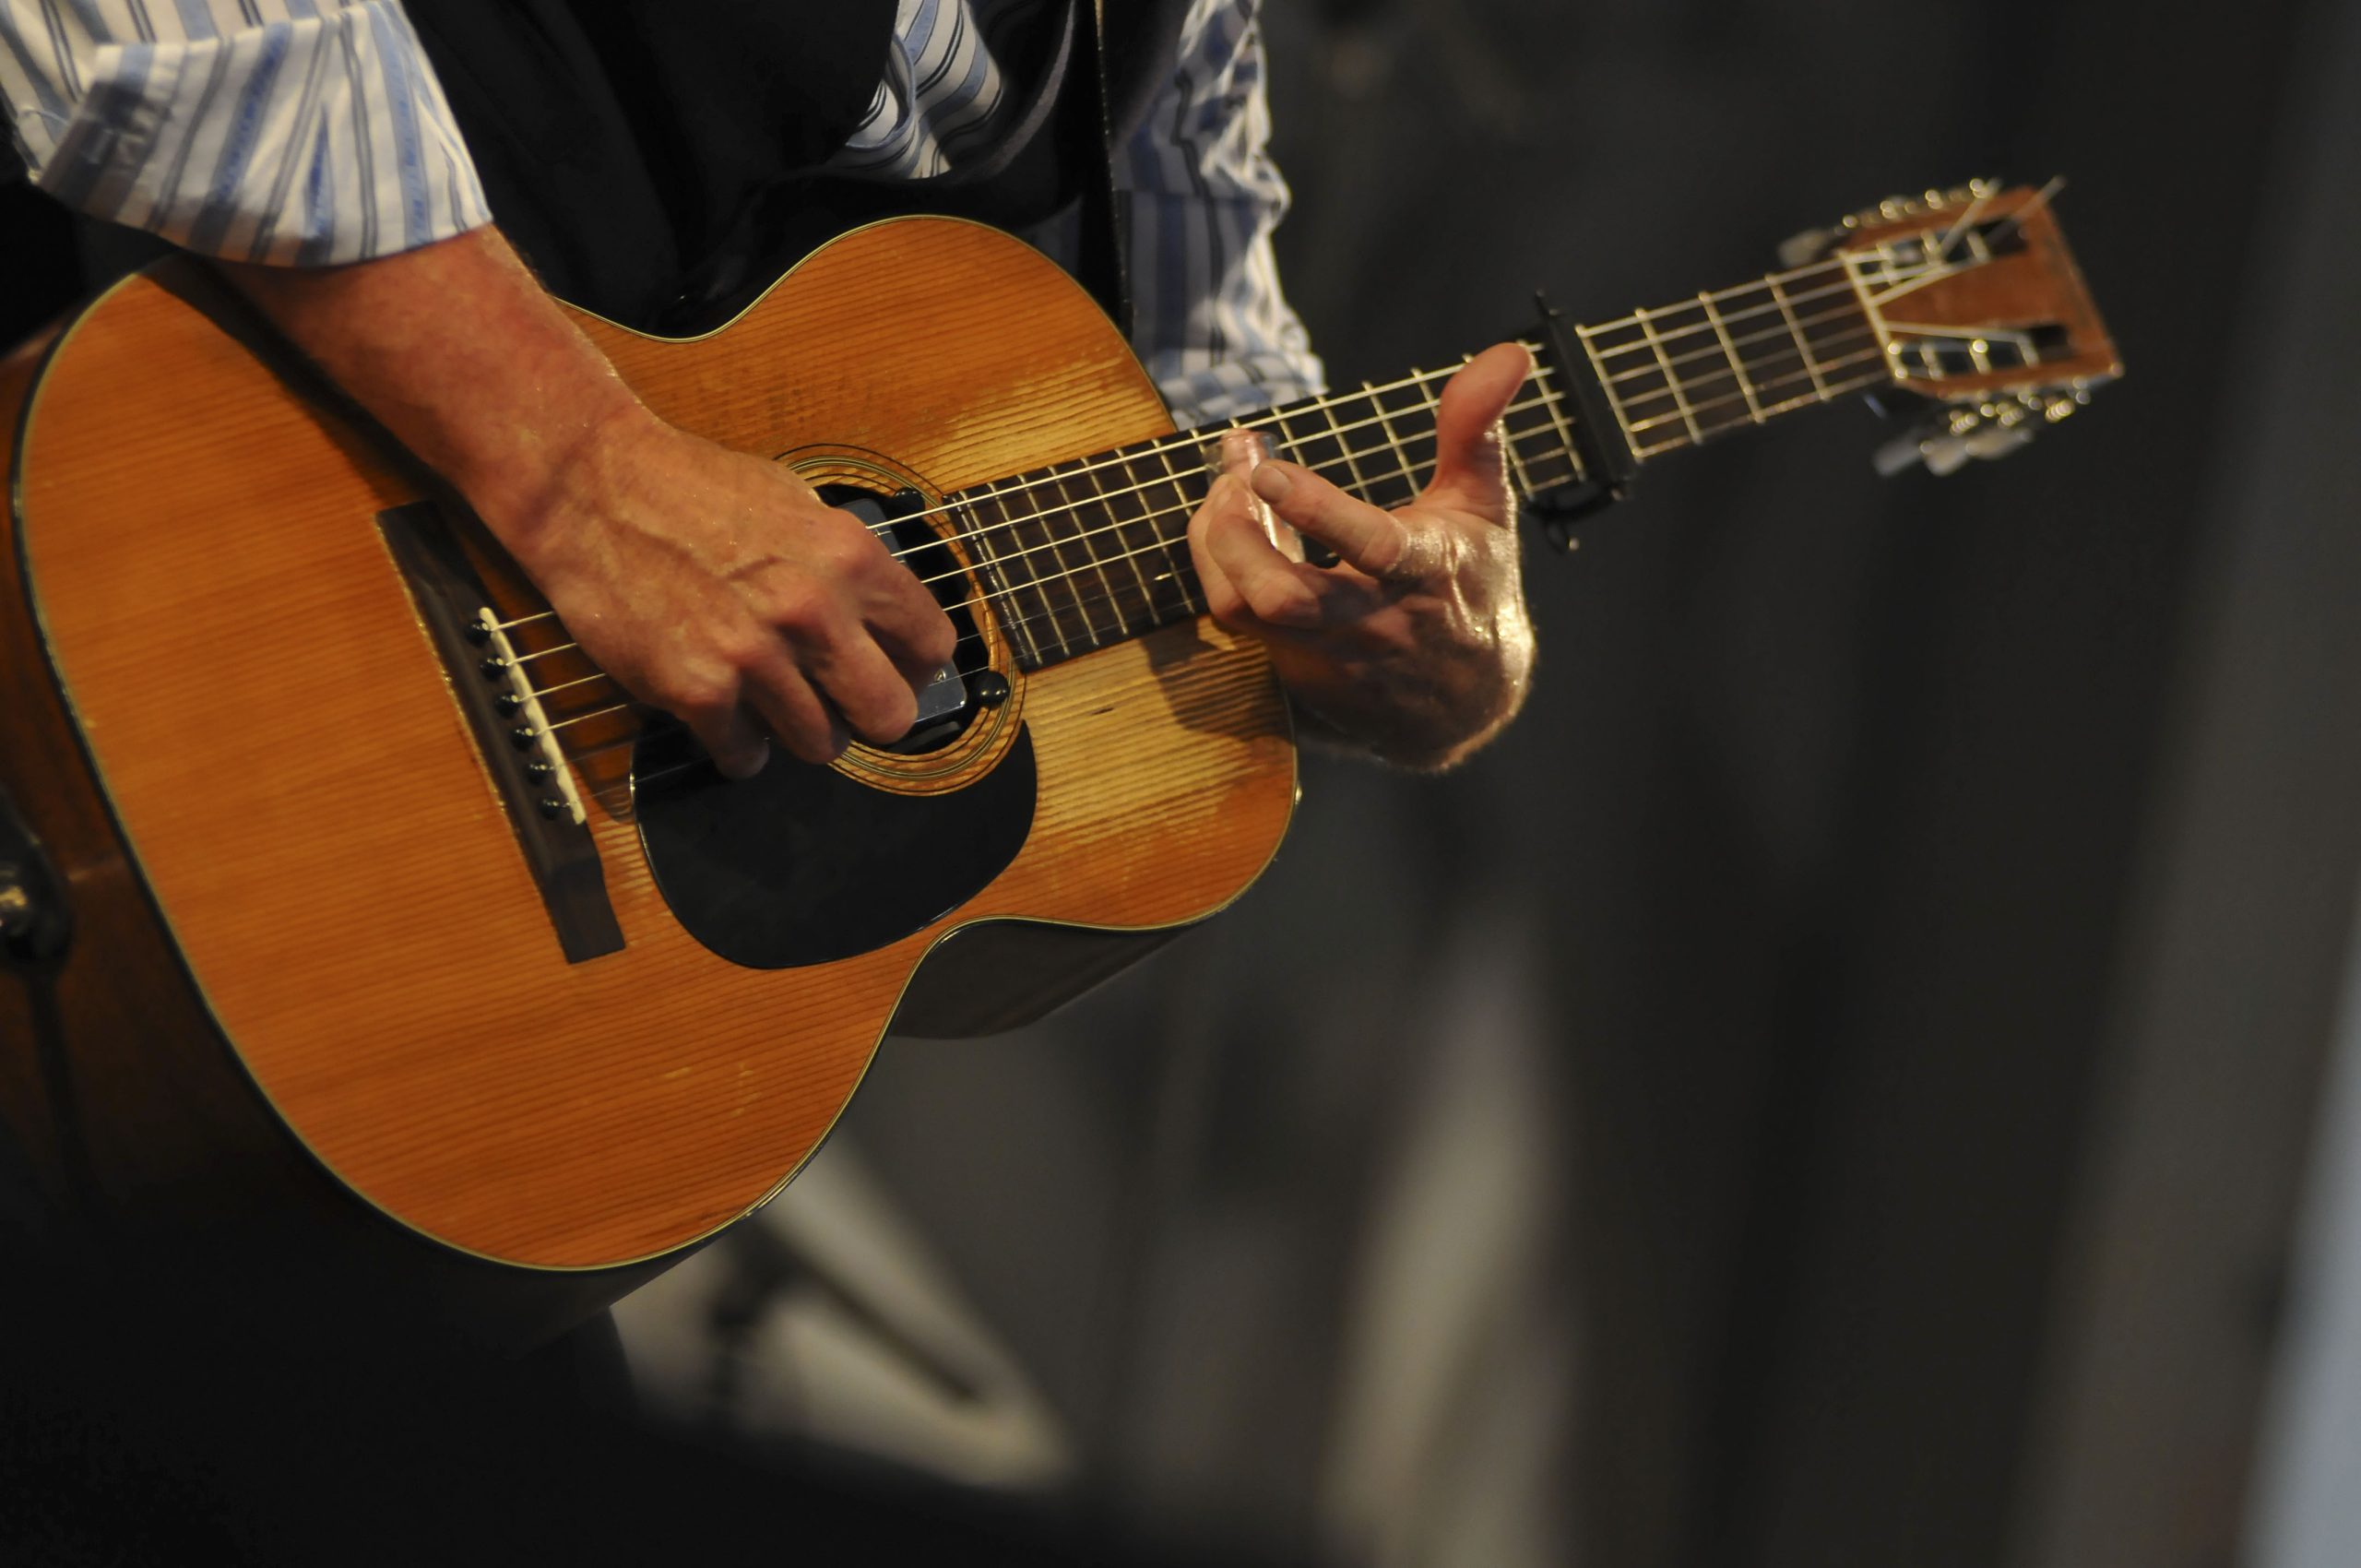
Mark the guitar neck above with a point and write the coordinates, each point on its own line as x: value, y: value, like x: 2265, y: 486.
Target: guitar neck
x: 1094, y: 551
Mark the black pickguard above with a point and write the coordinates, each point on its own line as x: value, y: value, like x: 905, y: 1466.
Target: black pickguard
x: 801, y: 865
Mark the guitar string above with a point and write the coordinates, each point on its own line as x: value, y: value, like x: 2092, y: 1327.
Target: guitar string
x: 1203, y: 435
x: 1198, y: 437
x: 1893, y: 268
x: 1277, y: 416
x: 1892, y: 271
x: 1698, y: 408
x: 1641, y: 345
x: 1345, y: 456
x: 1176, y: 478
x: 1100, y: 495
x: 1687, y: 389
x: 997, y: 489
x: 1074, y: 601
x: 662, y: 722
x: 1548, y: 399
x: 1857, y: 326
x: 653, y: 721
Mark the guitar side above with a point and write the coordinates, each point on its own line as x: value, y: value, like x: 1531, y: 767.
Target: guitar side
x: 227, y: 717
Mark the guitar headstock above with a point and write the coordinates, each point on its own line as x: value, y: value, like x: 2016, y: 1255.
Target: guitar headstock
x: 1979, y: 311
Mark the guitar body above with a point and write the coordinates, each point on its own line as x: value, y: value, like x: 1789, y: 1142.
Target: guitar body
x: 314, y: 988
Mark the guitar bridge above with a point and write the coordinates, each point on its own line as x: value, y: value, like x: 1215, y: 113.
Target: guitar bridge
x: 531, y: 778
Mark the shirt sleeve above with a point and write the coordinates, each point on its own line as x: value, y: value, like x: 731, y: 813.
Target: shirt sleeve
x: 302, y: 132
x: 1199, y: 197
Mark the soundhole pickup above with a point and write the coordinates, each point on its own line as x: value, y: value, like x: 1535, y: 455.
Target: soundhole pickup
x: 531, y: 778
x: 967, y: 687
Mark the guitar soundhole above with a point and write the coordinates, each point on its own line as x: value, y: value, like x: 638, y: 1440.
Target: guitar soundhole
x: 803, y: 865
x: 969, y: 686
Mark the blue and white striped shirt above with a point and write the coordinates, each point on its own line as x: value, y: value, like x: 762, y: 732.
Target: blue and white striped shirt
x: 313, y: 132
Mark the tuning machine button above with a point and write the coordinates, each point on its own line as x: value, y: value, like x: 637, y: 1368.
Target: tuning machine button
x: 1946, y: 440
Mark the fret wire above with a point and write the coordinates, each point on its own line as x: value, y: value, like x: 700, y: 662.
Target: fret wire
x: 1842, y: 313
x: 1033, y: 577
x: 1184, y: 571
x: 1838, y: 390
x: 1191, y: 507
x: 1147, y: 593
x: 1607, y: 387
x: 1663, y: 420
x: 1753, y: 410
x: 1803, y: 343
x: 1671, y: 382
x: 1769, y: 280
x: 1636, y: 345
x: 1000, y: 496
x: 1793, y: 274
x: 1287, y: 438
x: 1765, y: 362
x: 1833, y: 364
x: 1012, y: 619
x: 1546, y: 396
x: 1029, y: 517
x: 1147, y: 603
x: 1843, y: 290
x: 996, y: 562
x: 1394, y: 444
x: 1090, y: 560
x: 1352, y: 465
x: 1177, y: 574
x: 1540, y: 376
x: 992, y: 562
x: 1186, y: 508
x: 1182, y: 438
x: 1564, y: 431
x: 1418, y: 378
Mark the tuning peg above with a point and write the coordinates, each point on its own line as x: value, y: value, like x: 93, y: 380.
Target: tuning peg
x: 1811, y: 244
x: 1803, y: 249
x: 1945, y: 442
x: 1998, y: 440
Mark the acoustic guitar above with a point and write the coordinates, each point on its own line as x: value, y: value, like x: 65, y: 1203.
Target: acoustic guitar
x: 354, y: 920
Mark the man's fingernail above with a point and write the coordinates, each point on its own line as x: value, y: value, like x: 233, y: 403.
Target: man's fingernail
x: 1270, y: 481
x: 745, y: 765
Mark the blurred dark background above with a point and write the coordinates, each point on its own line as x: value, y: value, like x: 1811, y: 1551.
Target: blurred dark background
x: 1837, y: 1084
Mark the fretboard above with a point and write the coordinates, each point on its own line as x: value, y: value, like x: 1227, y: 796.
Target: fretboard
x: 1094, y: 551
x: 1682, y: 374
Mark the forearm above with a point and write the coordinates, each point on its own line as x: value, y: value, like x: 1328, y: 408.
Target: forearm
x: 463, y: 357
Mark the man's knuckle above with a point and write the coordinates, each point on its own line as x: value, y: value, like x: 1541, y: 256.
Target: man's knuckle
x: 700, y: 692
x: 795, y: 604
x: 887, y: 717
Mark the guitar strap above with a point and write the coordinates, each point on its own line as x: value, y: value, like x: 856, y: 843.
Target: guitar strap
x: 1102, y: 262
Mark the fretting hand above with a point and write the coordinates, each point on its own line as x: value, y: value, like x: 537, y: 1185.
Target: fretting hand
x: 1414, y: 645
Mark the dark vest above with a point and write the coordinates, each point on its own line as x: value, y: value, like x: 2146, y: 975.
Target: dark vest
x: 658, y: 161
